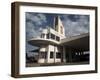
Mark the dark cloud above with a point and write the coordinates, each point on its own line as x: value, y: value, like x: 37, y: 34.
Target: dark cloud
x: 34, y: 26
x: 75, y: 24
x: 37, y: 19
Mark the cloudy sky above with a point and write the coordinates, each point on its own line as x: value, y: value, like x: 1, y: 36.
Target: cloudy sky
x: 36, y: 22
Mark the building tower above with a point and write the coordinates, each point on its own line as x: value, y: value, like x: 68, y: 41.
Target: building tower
x: 58, y: 26
x: 48, y: 43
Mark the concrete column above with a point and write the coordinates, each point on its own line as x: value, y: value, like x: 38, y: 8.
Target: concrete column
x: 48, y: 54
x: 49, y: 35
x: 44, y: 36
x: 70, y: 55
x: 54, y: 54
x: 39, y: 53
x: 64, y: 54
x: 38, y: 56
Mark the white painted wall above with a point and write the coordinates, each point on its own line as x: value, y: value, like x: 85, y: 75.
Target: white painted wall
x: 5, y: 41
x: 48, y: 49
x: 54, y: 49
x: 51, y: 48
x: 41, y: 60
x: 43, y: 49
x: 56, y: 33
x: 60, y: 25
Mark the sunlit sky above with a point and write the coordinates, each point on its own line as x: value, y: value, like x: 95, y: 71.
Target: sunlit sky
x: 36, y: 22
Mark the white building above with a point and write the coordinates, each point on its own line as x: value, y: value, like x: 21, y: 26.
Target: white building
x: 53, y: 43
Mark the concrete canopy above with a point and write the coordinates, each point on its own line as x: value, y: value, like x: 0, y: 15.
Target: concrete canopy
x: 77, y: 42
x: 40, y: 41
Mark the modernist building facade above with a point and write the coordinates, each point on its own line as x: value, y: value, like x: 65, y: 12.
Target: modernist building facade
x: 55, y: 47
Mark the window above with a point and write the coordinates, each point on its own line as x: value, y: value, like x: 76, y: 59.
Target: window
x: 48, y: 36
x: 42, y: 35
x: 43, y: 55
x: 58, y: 55
x: 51, y: 54
x: 52, y: 36
x: 57, y: 38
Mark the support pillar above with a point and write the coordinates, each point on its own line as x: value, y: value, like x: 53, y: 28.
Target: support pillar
x: 48, y: 54
x: 70, y: 55
x: 64, y: 54
x: 54, y: 54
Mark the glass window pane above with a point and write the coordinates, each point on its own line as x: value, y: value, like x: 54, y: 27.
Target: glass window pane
x: 48, y: 35
x: 51, y: 54
x: 42, y: 55
x: 58, y: 55
x: 52, y: 36
x: 42, y: 35
x: 57, y: 38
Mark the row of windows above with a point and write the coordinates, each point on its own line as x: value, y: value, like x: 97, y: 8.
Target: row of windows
x: 50, y: 36
x: 58, y: 55
x: 42, y: 35
x: 81, y: 53
x: 43, y: 55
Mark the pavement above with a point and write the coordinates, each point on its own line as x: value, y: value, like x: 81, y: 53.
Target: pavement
x: 54, y: 64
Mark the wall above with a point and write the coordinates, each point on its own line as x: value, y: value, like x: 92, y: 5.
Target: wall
x: 5, y: 41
